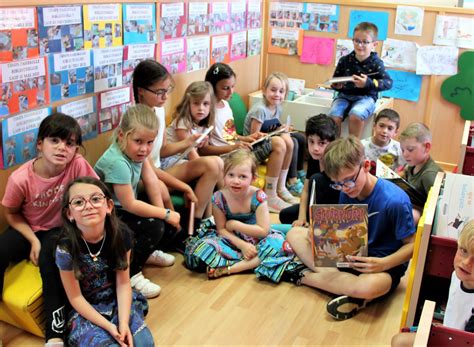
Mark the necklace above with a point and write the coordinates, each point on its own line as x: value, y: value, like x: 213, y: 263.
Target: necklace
x: 95, y: 255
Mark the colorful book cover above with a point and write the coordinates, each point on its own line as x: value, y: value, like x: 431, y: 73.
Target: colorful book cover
x: 220, y: 49
x: 173, y: 55
x: 285, y: 41
x: 134, y: 54
x: 107, y: 68
x: 197, y: 55
x: 254, y: 14
x: 238, y: 16
x: 112, y: 105
x: 18, y: 34
x: 254, y: 41
x: 19, y: 136
x: 102, y: 25
x: 219, y: 20
x: 85, y: 112
x: 139, y: 23
x: 321, y: 17
x: 339, y: 232
x: 173, y: 20
x: 60, y: 29
x: 70, y: 74
x: 24, y: 85
x: 198, y: 18
x: 286, y: 14
x: 238, y: 45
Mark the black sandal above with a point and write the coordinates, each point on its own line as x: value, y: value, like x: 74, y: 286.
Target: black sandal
x: 294, y: 275
x: 334, y: 305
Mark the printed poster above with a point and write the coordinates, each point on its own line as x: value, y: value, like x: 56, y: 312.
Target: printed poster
x: 60, y: 29
x: 107, y: 68
x: 238, y: 45
x: 198, y: 18
x: 220, y: 49
x: 317, y: 50
x: 399, y: 54
x: 70, y: 74
x: 173, y: 55
x: 19, y: 136
x: 173, y: 20
x: 437, y: 60
x: 254, y: 14
x: 24, y: 85
x: 238, y: 16
x: 139, y: 23
x: 102, y: 25
x: 85, y: 112
x: 18, y: 34
x: 286, y: 14
x: 112, y: 105
x: 321, y: 17
x: 343, y: 47
x: 406, y: 85
x: 254, y: 41
x: 134, y: 54
x: 454, y: 31
x: 285, y: 41
x: 197, y: 56
x: 380, y: 19
x: 409, y: 20
x: 219, y: 20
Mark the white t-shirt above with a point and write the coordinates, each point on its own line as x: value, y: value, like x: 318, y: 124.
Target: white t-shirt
x: 155, y: 152
x: 459, y: 306
x: 224, y: 132
x: 390, y: 155
x: 171, y: 130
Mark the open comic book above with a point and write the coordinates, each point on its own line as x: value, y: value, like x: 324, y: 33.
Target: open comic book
x: 383, y: 171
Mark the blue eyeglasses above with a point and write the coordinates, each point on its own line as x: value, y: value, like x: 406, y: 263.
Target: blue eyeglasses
x: 348, y: 183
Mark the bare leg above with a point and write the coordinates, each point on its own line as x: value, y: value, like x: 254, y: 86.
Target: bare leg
x: 165, y: 195
x: 275, y: 160
x: 356, y: 125
x: 245, y: 265
x: 289, y: 151
x: 338, y: 121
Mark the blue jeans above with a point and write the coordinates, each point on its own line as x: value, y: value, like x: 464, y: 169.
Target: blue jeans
x: 358, y: 105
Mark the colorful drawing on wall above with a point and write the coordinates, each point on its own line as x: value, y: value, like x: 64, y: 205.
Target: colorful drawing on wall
x: 139, y: 23
x: 285, y: 41
x: 254, y: 41
x: 197, y: 55
x: 19, y: 136
x: 85, y: 112
x: 18, y: 34
x: 173, y: 55
x: 219, y: 19
x: 102, y: 25
x: 436, y: 60
x: 409, y: 20
x: 317, y: 50
x: 107, y: 68
x: 459, y: 89
x: 112, y: 105
x: 198, y: 18
x: 24, y: 85
x: 238, y: 45
x: 60, y: 29
x: 380, y: 19
x: 220, y: 49
x: 321, y: 17
x: 406, y: 85
x: 173, y: 20
x: 454, y: 31
x: 343, y: 47
x: 399, y: 54
x: 238, y: 16
x: 132, y: 55
x: 254, y: 14
x: 286, y: 14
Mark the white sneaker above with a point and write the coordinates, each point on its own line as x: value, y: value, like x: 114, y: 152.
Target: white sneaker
x: 275, y: 204
x: 287, y: 197
x: 146, y: 287
x: 160, y: 258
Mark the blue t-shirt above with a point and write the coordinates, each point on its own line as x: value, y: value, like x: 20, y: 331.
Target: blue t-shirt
x: 390, y: 217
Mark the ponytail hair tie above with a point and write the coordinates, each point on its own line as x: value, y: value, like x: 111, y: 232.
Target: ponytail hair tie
x: 216, y: 70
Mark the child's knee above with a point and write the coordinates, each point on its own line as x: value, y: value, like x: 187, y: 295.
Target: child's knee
x: 213, y: 165
x: 355, y: 118
x: 368, y: 288
x: 278, y: 145
x: 296, y: 234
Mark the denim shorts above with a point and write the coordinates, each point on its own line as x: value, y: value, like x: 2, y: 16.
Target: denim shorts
x: 358, y: 105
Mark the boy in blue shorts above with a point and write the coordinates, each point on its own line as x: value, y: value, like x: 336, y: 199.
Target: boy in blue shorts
x: 357, y: 98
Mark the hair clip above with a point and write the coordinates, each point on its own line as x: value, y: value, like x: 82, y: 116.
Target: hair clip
x: 216, y: 70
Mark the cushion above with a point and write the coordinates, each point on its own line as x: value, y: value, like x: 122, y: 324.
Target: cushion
x: 239, y: 110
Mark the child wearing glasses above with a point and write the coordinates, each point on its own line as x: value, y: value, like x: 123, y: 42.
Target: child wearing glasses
x: 93, y: 256
x: 357, y: 98
x: 32, y: 203
x: 391, y: 233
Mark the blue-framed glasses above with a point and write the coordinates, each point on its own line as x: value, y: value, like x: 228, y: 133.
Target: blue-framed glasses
x: 348, y: 183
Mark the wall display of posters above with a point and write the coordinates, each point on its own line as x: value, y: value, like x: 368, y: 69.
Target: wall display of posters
x: 173, y: 20
x: 380, y: 19
x: 70, y: 74
x: 139, y: 23
x: 285, y: 41
x: 437, y: 60
x: 286, y: 14
x: 454, y: 31
x: 254, y: 41
x: 85, y: 112
x: 238, y: 45
x: 102, y: 25
x: 173, y: 55
x: 238, y: 16
x: 18, y: 34
x: 24, y: 85
x: 132, y: 55
x: 197, y: 56
x: 60, y: 29
x: 107, y: 68
x: 219, y: 20
x: 112, y: 105
x: 19, y: 136
x: 317, y: 50
x: 343, y: 47
x: 220, y: 49
x: 409, y: 20
x: 198, y: 18
x: 321, y: 17
x: 399, y: 54
x: 406, y: 85
x: 254, y: 14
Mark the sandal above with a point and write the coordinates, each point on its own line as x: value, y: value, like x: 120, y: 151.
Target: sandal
x: 335, y: 304
x: 217, y: 272
x: 294, y: 275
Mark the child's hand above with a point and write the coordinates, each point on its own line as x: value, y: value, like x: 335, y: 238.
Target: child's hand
x: 257, y: 135
x: 203, y: 143
x: 299, y: 223
x: 112, y: 330
x: 126, y: 335
x: 35, y: 251
x: 193, y: 138
x: 189, y: 194
x: 367, y: 264
x: 360, y: 81
x: 337, y: 85
x: 242, y: 145
x: 249, y: 251
x: 174, y: 218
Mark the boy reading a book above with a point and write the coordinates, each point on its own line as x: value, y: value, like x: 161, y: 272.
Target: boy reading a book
x: 390, y: 233
x: 358, y: 96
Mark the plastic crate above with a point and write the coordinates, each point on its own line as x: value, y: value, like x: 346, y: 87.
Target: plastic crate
x: 440, y: 256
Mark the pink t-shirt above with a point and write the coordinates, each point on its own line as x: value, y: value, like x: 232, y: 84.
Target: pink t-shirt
x: 40, y: 198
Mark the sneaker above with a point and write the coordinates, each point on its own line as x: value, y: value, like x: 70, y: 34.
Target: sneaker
x: 295, y: 274
x: 287, y: 197
x: 296, y: 188
x: 54, y: 343
x: 344, y: 307
x: 143, y: 285
x: 160, y: 258
x: 276, y: 204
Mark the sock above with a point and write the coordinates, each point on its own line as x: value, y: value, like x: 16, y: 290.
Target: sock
x: 282, y: 180
x: 271, y: 186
